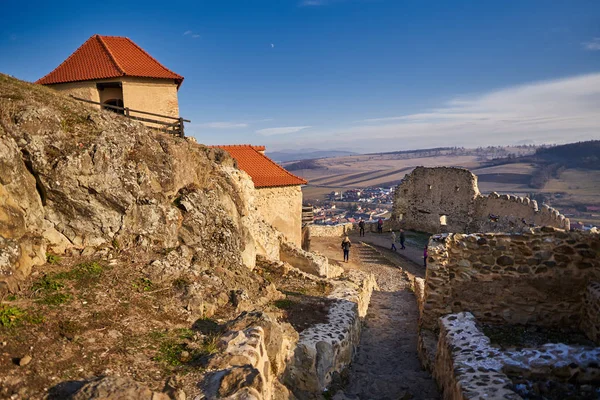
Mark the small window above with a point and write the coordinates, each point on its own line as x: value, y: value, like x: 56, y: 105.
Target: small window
x: 443, y: 220
x: 456, y: 188
x: 429, y: 187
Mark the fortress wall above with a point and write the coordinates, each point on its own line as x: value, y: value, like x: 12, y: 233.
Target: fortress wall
x: 429, y: 193
x: 537, y: 277
x: 548, y: 216
x: 590, y: 318
x: 331, y: 230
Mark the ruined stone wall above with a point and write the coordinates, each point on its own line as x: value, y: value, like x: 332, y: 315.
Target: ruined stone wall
x: 590, y: 318
x: 530, y: 278
x: 282, y: 208
x: 448, y: 200
x: 332, y: 230
x: 427, y: 194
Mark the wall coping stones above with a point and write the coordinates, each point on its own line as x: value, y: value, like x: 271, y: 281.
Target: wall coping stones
x: 327, y: 348
x: 467, y: 366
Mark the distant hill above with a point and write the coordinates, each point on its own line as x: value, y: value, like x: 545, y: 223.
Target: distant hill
x: 573, y: 155
x: 306, y: 154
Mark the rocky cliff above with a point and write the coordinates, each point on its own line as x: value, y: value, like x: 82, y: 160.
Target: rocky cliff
x: 72, y: 177
x: 126, y: 257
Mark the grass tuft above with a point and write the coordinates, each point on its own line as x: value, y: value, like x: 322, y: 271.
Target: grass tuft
x: 11, y: 316
x: 143, y: 285
x: 53, y: 258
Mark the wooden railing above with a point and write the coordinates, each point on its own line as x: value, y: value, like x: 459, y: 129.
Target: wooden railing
x: 175, y: 128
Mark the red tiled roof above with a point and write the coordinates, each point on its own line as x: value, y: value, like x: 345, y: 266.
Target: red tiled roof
x: 263, y: 171
x: 102, y: 57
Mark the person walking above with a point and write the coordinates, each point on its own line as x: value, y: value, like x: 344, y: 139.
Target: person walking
x: 361, y: 225
x: 393, y: 241
x: 346, y: 248
x: 425, y: 257
x: 380, y: 226
x: 402, y: 239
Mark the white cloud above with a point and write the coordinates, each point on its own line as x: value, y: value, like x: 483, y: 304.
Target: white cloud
x: 195, y: 36
x: 550, y: 111
x: 592, y: 45
x: 223, y: 125
x: 187, y: 33
x: 281, y: 130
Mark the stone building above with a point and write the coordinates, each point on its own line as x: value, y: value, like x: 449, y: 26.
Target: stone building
x: 278, y: 194
x: 446, y: 199
x: 115, y: 71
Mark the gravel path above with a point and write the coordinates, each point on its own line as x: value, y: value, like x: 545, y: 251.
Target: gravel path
x: 386, y: 365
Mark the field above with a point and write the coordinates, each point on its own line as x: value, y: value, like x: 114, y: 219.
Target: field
x: 571, y: 191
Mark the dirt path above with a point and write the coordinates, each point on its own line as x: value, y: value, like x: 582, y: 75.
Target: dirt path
x: 386, y: 365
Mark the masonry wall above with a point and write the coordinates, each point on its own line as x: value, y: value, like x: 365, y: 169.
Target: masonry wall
x: 282, y: 208
x: 427, y: 194
x: 590, y: 316
x: 331, y: 230
x: 531, y: 278
x: 428, y: 197
x: 85, y: 90
x: 152, y: 95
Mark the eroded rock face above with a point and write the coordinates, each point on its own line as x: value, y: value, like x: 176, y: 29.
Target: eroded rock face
x: 74, y: 177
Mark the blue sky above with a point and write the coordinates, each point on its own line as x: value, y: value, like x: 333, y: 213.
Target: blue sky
x: 362, y: 75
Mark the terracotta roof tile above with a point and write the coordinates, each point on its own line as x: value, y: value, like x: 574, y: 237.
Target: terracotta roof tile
x: 102, y: 57
x: 263, y: 171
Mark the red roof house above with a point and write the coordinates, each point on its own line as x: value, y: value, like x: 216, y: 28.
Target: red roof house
x: 116, y: 71
x: 278, y: 195
x: 263, y: 171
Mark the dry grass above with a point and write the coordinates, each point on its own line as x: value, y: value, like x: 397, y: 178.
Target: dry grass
x: 81, y: 318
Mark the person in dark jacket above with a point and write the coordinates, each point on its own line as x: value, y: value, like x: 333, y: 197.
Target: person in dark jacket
x: 361, y: 225
x: 402, y: 239
x: 425, y: 257
x: 346, y: 247
x: 380, y: 226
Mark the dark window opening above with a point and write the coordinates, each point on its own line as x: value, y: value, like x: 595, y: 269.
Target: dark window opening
x: 114, y: 102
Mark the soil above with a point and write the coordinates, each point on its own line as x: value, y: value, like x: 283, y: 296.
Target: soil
x: 306, y: 303
x: 386, y: 365
x: 510, y: 336
x: 90, y: 317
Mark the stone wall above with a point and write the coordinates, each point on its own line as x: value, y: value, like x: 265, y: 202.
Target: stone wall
x: 468, y: 366
x: 446, y: 199
x: 327, y: 349
x: 590, y: 318
x: 252, y: 356
x: 282, y: 208
x: 537, y: 277
x: 311, y: 263
x: 331, y: 230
